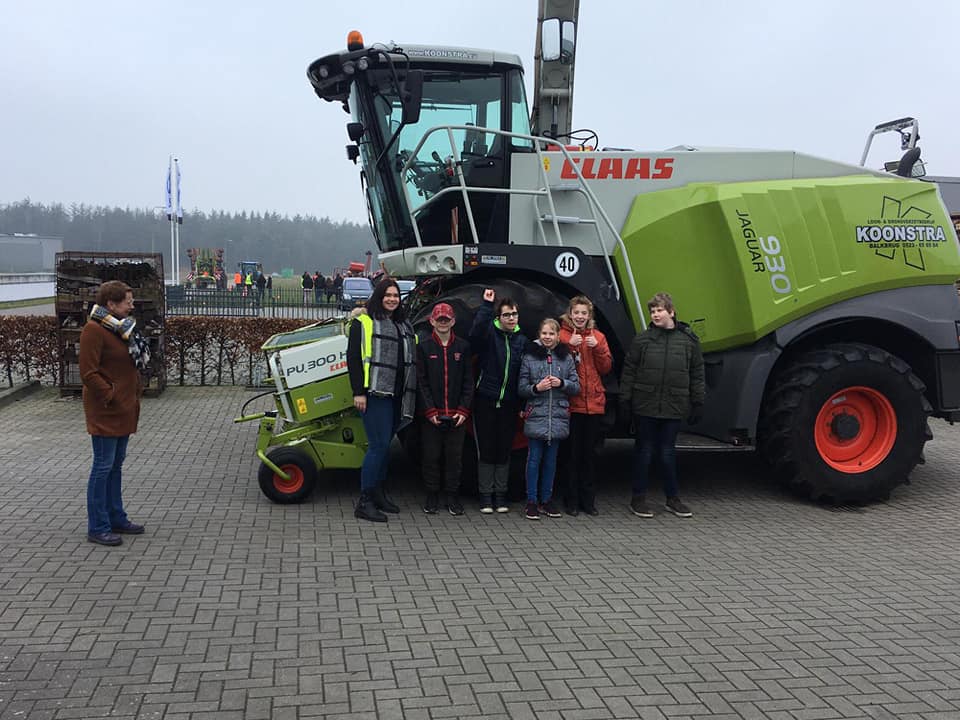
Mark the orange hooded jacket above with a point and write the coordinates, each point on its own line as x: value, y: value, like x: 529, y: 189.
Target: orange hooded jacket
x: 592, y: 364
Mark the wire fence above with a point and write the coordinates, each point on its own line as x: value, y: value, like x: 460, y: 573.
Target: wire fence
x: 276, y: 303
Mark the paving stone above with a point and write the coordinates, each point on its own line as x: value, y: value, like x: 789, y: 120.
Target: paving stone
x: 761, y: 606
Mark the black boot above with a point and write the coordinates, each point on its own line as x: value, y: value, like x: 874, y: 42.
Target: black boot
x: 367, y: 510
x: 382, y: 502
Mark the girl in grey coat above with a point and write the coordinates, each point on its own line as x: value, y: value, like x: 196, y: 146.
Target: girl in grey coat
x: 548, y: 377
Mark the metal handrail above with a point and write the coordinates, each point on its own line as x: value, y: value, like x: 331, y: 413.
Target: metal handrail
x: 537, y: 142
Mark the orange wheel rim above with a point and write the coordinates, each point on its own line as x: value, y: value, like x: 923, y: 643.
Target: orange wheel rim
x: 856, y: 429
x: 293, y: 484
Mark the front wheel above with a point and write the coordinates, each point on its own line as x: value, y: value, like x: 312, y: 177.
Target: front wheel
x: 295, y: 463
x: 845, y: 423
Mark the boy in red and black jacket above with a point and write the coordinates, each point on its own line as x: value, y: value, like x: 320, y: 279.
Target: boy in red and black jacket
x: 445, y: 387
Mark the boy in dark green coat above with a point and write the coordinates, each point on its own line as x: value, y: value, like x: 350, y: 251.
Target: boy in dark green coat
x: 662, y: 383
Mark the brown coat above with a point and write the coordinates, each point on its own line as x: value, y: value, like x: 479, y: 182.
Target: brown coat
x: 111, y: 383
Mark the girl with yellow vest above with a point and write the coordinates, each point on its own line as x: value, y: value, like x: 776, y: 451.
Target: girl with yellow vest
x: 381, y: 361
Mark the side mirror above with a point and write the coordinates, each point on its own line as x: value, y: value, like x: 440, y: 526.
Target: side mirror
x: 558, y: 39
x: 411, y: 97
x: 355, y: 131
x: 353, y: 152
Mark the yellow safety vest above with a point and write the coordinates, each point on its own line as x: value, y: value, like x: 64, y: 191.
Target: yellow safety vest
x: 366, y: 345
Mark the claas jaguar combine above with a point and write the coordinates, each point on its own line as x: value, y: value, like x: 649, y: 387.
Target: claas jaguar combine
x: 823, y: 292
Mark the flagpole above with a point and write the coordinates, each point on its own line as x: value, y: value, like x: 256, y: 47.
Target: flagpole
x: 178, y: 213
x: 173, y: 223
x: 176, y: 227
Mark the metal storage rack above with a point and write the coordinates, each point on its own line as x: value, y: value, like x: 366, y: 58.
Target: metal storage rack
x: 79, y: 274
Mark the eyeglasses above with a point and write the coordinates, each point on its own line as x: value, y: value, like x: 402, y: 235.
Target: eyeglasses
x: 515, y: 313
x: 444, y: 319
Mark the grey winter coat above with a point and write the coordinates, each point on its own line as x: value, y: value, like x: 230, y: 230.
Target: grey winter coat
x: 547, y: 414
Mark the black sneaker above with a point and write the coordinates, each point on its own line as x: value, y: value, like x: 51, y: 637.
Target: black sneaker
x: 105, y: 538
x: 453, y: 505
x: 532, y: 512
x: 486, y: 504
x: 431, y: 504
x: 571, y: 510
x: 550, y: 510
x: 676, y: 506
x: 128, y: 528
x: 591, y: 510
x: 639, y: 507
x: 383, y: 501
x: 367, y: 510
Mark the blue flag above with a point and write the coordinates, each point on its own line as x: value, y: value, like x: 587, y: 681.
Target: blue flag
x: 179, y: 206
x: 169, y: 197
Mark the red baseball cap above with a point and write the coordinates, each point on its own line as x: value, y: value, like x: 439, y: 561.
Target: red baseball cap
x: 442, y: 310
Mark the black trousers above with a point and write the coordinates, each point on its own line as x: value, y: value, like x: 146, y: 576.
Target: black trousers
x: 494, y: 428
x: 578, y: 458
x: 442, y: 453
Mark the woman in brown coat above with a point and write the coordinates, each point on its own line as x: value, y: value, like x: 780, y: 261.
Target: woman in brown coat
x: 110, y: 353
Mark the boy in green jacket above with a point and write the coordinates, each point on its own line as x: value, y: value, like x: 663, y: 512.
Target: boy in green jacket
x: 662, y: 383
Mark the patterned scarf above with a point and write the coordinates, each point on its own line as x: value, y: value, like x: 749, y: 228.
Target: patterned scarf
x: 385, y: 365
x: 126, y: 330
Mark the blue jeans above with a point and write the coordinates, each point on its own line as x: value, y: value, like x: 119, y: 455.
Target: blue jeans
x: 541, y: 467
x: 380, y: 423
x: 104, y: 500
x: 656, y: 437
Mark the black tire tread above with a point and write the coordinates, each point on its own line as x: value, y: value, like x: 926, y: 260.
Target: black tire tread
x: 285, y: 455
x: 783, y: 401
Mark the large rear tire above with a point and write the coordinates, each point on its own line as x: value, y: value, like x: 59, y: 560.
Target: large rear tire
x: 846, y: 423
x: 301, y: 469
x: 534, y: 301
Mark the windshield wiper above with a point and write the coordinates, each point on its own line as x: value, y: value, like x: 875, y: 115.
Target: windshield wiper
x: 393, y: 139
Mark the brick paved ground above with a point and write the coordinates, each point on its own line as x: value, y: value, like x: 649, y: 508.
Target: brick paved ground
x: 759, y: 607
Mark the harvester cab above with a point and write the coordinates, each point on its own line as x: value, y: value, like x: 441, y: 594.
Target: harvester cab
x: 471, y: 92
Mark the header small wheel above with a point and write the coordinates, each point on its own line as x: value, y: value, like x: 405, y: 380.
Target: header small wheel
x: 301, y: 469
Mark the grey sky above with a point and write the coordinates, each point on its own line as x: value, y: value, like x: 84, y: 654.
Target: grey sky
x: 98, y: 94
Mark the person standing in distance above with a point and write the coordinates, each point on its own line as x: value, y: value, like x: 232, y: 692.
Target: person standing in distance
x: 338, y: 286
x: 496, y: 339
x: 306, y: 284
x: 261, y: 285
x: 445, y: 387
x: 662, y: 382
x: 112, y: 353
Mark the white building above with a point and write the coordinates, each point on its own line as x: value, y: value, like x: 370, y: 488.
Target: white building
x: 22, y: 253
